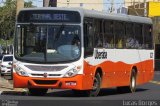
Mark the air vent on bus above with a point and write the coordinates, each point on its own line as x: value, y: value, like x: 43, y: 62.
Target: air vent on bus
x: 51, y: 75
x: 45, y: 82
x: 45, y: 68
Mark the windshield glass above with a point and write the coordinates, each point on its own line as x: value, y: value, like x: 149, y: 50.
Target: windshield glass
x: 48, y: 44
x: 8, y: 58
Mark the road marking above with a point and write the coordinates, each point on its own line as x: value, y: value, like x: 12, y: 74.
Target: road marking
x: 155, y: 82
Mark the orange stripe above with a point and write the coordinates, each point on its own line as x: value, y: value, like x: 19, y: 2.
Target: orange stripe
x: 118, y: 73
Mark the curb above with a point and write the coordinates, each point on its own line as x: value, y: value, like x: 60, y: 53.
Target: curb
x: 155, y: 82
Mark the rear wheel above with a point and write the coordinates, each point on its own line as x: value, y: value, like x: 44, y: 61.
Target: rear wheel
x: 95, y: 89
x: 37, y: 91
x: 132, y: 87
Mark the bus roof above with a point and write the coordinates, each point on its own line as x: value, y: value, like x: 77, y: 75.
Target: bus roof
x: 99, y: 14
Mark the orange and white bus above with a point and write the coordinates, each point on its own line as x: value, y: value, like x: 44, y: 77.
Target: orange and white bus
x: 82, y: 50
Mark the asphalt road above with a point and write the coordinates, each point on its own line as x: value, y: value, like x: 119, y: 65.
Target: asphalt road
x: 145, y: 95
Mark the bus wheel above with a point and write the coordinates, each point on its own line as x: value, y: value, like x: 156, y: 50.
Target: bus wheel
x: 37, y: 91
x: 96, y: 86
x: 94, y: 91
x: 132, y: 87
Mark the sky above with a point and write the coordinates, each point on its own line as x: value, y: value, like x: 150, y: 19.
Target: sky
x: 117, y: 4
x: 38, y: 3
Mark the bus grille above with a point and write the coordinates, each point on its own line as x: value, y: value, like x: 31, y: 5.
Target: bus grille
x: 45, y: 68
x: 42, y: 75
x: 50, y: 82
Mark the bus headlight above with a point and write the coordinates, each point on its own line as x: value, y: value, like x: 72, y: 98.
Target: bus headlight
x: 71, y: 73
x: 20, y: 71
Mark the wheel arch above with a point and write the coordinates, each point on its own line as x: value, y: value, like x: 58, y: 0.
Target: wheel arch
x: 99, y: 70
x: 135, y: 68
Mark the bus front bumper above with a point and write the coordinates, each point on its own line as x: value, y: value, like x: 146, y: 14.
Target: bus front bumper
x: 57, y: 83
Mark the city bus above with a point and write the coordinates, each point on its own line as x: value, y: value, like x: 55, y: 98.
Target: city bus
x: 82, y: 50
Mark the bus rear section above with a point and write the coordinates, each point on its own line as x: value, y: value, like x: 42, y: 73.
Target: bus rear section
x: 120, y: 49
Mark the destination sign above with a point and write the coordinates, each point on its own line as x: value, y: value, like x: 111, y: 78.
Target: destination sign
x: 56, y: 17
x: 48, y: 16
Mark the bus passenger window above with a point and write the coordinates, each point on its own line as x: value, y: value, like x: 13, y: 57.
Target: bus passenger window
x: 108, y: 34
x: 99, y: 40
x: 148, y: 37
x: 88, y: 38
x: 138, y: 36
x: 129, y: 36
x: 119, y: 34
x: 98, y: 35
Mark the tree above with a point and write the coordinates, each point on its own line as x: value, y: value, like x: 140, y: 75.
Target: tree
x: 49, y: 3
x: 8, y: 18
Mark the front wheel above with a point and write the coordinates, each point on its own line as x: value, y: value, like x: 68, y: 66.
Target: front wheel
x: 37, y: 91
x: 96, y: 86
x: 95, y: 89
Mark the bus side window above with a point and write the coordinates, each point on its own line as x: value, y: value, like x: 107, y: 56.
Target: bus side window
x: 138, y: 36
x: 148, y: 37
x: 129, y: 36
x: 88, y: 38
x: 108, y: 34
x: 98, y: 35
x: 119, y: 34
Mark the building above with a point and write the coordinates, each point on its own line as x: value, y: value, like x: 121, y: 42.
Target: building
x: 153, y: 9
x: 135, y: 2
x: 87, y: 4
x: 122, y: 10
x: 149, y: 9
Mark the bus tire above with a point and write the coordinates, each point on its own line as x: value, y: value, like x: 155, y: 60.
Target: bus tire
x: 37, y: 91
x: 93, y: 92
x: 132, y: 87
x: 96, y: 86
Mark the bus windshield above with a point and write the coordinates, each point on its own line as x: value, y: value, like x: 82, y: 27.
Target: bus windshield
x: 48, y: 43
